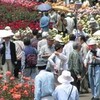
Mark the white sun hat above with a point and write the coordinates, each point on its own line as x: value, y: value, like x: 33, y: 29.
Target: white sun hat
x: 58, y: 38
x: 91, y: 42
x: 5, y: 33
x: 65, y: 77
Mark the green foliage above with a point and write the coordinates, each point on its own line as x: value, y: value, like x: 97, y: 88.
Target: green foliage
x: 10, y: 13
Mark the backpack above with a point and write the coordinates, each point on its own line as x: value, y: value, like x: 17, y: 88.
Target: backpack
x: 31, y: 60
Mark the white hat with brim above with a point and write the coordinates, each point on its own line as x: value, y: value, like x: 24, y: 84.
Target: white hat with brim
x: 91, y: 42
x: 58, y: 38
x: 40, y: 63
x: 5, y: 33
x: 65, y: 77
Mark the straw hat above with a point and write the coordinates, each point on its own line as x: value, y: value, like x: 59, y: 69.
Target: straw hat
x: 65, y: 77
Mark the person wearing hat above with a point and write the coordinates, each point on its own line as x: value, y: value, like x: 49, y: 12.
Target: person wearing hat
x: 19, y: 49
x: 43, y: 41
x: 44, y: 83
x: 44, y: 22
x: 92, y: 62
x: 46, y: 50
x: 8, y: 52
x: 65, y: 91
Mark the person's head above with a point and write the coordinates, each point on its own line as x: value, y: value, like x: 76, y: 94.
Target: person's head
x: 92, y: 44
x: 82, y: 39
x: 26, y: 41
x: 45, y: 34
x: 41, y: 65
x: 65, y: 77
x: 72, y: 37
x: 76, y: 46
x: 58, y: 47
x: 50, y: 40
x: 7, y: 39
x: 35, y: 32
x: 80, y: 26
x: 62, y: 16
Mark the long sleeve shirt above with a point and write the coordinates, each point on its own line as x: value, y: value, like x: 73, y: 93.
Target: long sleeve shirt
x: 57, y: 60
x: 62, y: 92
x: 89, y: 59
x: 44, y: 84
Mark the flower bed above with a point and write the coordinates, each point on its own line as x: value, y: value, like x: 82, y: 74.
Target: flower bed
x: 12, y: 89
x: 16, y: 16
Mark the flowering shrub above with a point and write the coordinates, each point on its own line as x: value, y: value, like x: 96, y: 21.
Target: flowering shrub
x: 17, y: 16
x: 14, y: 89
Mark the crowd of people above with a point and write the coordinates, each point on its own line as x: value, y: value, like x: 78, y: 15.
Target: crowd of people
x: 61, y: 71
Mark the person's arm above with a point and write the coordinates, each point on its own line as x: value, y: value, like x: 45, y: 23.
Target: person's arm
x: 37, y: 89
x: 86, y: 60
x: 23, y: 60
x: 50, y: 59
x: 61, y: 56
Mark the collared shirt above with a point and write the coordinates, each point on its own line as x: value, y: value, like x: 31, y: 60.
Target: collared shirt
x: 45, y: 50
x: 44, y: 84
x: 68, y: 48
x: 89, y: 60
x: 84, y: 50
x: 62, y: 92
x: 19, y: 48
x: 75, y: 62
x: 7, y: 52
x: 57, y: 60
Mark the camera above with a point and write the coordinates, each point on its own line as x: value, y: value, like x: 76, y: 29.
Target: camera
x: 94, y: 52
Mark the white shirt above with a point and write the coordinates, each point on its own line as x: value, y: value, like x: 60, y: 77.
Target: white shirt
x: 68, y: 48
x: 7, y: 51
x: 89, y: 59
x: 57, y: 60
x: 70, y: 24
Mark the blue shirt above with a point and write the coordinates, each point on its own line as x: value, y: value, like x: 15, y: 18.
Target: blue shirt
x: 44, y: 84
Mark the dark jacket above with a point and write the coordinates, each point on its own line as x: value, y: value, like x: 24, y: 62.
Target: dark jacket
x: 13, y: 53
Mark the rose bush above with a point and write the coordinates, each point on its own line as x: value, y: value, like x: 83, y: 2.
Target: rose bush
x: 17, y: 16
x: 14, y: 89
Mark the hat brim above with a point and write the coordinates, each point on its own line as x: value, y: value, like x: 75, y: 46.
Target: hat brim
x: 62, y: 80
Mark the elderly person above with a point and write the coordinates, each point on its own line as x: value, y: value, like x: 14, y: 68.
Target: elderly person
x: 92, y: 61
x: 65, y: 91
x: 9, y: 58
x: 29, y: 55
x: 44, y: 22
x: 75, y: 64
x: 19, y: 49
x: 46, y: 50
x: 61, y: 24
x: 68, y: 48
x: 44, y: 83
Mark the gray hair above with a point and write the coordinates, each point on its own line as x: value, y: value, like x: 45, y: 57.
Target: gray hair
x: 76, y: 45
